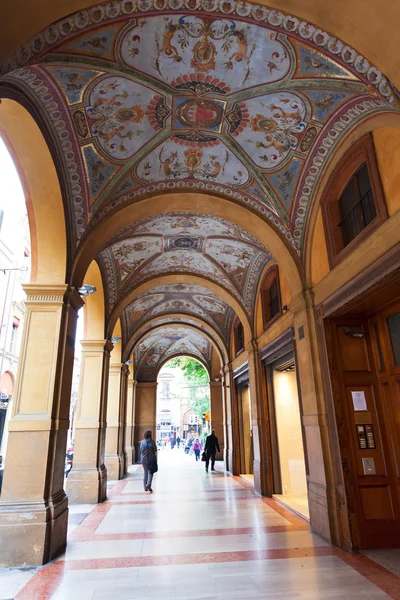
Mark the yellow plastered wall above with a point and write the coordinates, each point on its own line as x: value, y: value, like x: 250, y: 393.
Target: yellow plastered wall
x: 42, y: 192
x: 94, y: 324
x: 319, y: 254
x: 387, y: 149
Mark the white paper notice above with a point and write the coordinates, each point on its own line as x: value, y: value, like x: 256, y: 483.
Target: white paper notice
x: 359, y: 401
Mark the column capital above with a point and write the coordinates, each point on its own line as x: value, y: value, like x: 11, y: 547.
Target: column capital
x: 227, y: 369
x: 116, y: 368
x: 149, y: 384
x: 251, y: 348
x: 125, y: 370
x: 92, y: 345
x: 108, y: 346
x: 48, y: 294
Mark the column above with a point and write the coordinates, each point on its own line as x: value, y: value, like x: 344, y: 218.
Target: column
x: 129, y: 421
x: 327, y: 504
x: 114, y: 456
x: 217, y: 415
x: 34, y: 506
x: 87, y: 482
x: 145, y: 411
x: 258, y: 421
x: 231, y: 420
x: 123, y: 401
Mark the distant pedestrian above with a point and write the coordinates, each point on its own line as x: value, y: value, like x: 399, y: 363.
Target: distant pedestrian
x: 148, y: 453
x: 197, y: 448
x: 211, y: 448
x: 178, y: 441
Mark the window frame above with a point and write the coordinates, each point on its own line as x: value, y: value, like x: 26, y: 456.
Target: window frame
x: 362, y: 152
x: 236, y: 325
x: 271, y: 275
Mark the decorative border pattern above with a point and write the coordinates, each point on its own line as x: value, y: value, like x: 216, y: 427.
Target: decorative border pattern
x: 41, y: 85
x: 119, y: 9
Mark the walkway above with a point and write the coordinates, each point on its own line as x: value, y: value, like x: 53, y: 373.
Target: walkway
x: 200, y: 536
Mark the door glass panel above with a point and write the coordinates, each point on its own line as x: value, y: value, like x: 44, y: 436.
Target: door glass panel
x: 394, y: 331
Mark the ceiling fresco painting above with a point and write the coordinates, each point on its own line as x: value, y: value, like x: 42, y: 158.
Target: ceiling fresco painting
x: 184, y: 243
x: 168, y: 341
x: 227, y: 97
x: 180, y: 298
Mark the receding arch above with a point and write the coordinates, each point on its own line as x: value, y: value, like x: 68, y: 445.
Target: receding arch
x: 190, y: 202
x: 41, y: 186
x: 94, y: 324
x: 182, y: 278
x: 187, y: 354
x: 141, y: 335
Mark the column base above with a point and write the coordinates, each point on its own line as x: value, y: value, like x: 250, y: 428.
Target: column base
x: 115, y: 466
x: 32, y: 534
x: 87, y: 486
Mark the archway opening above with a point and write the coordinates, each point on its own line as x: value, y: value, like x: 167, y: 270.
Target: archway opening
x: 183, y: 406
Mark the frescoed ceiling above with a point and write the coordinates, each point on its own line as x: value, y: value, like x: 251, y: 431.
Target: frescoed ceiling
x: 179, y: 298
x: 147, y: 96
x: 165, y: 342
x: 191, y: 243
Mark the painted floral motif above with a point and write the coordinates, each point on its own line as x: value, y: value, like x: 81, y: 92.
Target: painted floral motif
x: 273, y: 127
x: 192, y: 44
x: 172, y: 161
x: 117, y: 116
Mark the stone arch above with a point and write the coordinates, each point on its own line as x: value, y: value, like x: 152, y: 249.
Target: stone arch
x: 175, y: 319
x: 190, y: 202
x: 389, y: 122
x: 177, y: 355
x: 36, y: 169
x: 182, y: 278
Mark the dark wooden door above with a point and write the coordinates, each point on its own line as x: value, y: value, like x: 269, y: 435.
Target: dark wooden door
x: 364, y: 414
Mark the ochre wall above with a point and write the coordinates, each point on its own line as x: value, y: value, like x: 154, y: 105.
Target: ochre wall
x: 319, y: 255
x: 42, y: 192
x: 387, y: 149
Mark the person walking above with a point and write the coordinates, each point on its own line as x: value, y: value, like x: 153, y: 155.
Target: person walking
x: 197, y: 448
x: 148, y: 453
x: 211, y: 448
x: 178, y: 441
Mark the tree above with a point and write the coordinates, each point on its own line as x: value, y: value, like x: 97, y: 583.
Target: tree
x: 197, y: 379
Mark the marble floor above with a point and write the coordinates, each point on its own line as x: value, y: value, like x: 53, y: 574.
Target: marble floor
x: 199, y: 536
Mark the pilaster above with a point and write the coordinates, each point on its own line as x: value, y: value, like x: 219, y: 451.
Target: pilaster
x: 114, y: 457
x: 217, y: 415
x: 34, y: 506
x: 87, y: 481
x: 145, y: 411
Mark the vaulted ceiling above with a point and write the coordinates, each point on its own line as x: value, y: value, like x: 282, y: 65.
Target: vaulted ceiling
x: 232, y: 98
x: 167, y: 342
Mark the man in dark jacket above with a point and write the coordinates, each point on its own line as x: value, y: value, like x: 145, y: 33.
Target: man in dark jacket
x: 211, y: 448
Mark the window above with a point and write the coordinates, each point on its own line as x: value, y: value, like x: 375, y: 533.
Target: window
x: 14, y: 336
x: 357, y: 205
x: 270, y: 296
x: 238, y: 336
x: 353, y: 204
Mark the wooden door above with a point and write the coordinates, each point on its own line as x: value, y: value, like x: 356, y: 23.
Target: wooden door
x: 365, y: 434
x: 246, y: 454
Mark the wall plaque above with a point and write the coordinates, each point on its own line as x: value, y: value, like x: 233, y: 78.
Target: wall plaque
x: 359, y: 401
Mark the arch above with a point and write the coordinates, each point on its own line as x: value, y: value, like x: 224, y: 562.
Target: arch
x: 41, y: 186
x: 177, y: 355
x: 371, y: 125
x: 190, y: 202
x: 94, y: 323
x: 139, y: 337
x: 182, y: 278
x: 7, y: 383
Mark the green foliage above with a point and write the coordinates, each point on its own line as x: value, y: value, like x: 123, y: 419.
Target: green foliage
x: 197, y: 379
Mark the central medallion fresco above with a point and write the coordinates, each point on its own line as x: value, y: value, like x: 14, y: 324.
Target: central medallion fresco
x: 226, y: 97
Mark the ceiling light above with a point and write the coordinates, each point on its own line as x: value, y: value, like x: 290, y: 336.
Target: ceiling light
x: 87, y: 289
x: 116, y: 339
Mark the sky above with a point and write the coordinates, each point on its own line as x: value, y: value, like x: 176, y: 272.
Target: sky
x: 11, y: 192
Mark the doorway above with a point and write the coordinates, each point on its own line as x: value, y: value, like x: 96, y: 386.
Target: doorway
x: 245, y: 430
x: 365, y: 363
x: 290, y: 482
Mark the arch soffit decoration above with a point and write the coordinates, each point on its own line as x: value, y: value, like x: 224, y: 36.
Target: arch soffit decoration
x: 174, y: 320
x: 183, y: 278
x: 213, y: 126
x: 187, y: 300
x: 181, y: 242
x: 168, y: 341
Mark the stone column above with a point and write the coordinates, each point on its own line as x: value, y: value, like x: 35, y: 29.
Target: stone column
x: 145, y: 411
x: 231, y: 420
x: 123, y: 401
x: 87, y: 482
x: 114, y: 456
x: 129, y: 421
x: 258, y: 421
x: 217, y: 415
x: 34, y: 506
